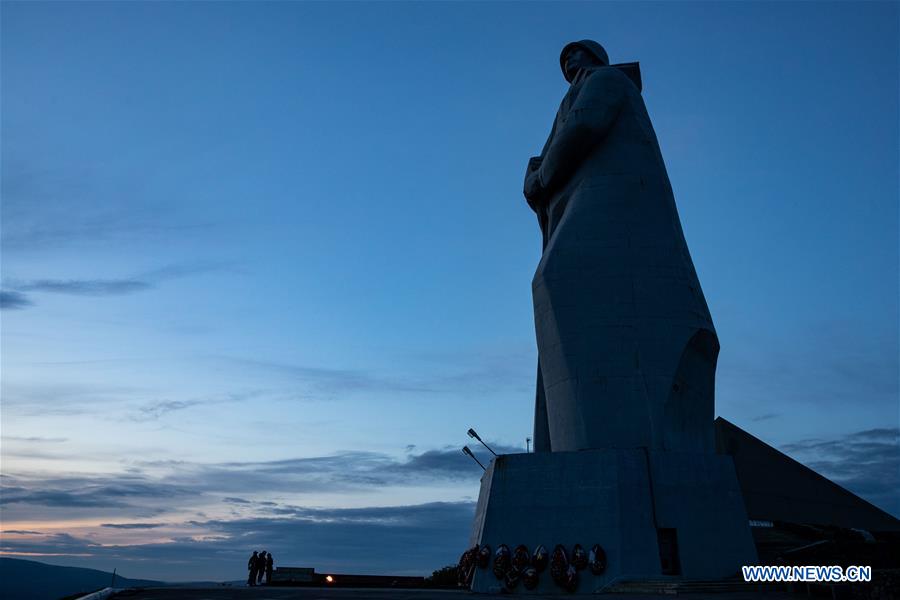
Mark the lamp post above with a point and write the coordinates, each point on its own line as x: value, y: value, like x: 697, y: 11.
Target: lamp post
x: 473, y: 434
x: 466, y: 450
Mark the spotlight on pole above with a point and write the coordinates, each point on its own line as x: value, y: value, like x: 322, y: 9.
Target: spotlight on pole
x: 473, y: 434
x: 469, y: 452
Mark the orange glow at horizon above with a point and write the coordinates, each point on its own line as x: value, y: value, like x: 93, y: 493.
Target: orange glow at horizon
x: 49, y: 525
x: 9, y: 553
x: 92, y: 529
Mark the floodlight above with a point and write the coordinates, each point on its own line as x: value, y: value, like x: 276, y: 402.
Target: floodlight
x: 473, y: 434
x: 466, y: 450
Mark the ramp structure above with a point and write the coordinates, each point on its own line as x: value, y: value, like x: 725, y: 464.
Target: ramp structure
x: 775, y: 487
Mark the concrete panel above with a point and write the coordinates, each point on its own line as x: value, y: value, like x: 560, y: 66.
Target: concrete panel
x: 618, y: 499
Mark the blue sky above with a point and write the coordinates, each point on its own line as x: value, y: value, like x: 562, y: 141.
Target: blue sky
x: 263, y: 264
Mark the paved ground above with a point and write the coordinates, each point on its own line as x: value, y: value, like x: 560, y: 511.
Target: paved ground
x: 286, y: 593
x: 263, y: 593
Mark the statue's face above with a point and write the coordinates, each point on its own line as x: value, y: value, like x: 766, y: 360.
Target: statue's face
x: 576, y: 59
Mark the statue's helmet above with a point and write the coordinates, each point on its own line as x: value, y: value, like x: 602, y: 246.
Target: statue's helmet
x: 590, y: 46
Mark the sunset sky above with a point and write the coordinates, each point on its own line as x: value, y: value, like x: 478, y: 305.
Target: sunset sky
x: 263, y: 264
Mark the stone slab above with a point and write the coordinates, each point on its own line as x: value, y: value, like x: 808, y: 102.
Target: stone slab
x: 618, y: 498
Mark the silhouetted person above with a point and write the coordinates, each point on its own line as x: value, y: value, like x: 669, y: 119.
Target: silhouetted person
x: 253, y: 567
x: 269, y: 565
x: 260, y: 566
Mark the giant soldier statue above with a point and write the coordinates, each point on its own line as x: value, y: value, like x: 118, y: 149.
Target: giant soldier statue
x: 627, y: 349
x: 624, y: 460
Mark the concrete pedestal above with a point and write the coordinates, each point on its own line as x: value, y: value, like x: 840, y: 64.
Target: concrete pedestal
x: 656, y: 514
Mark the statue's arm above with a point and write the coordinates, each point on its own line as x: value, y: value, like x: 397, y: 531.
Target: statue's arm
x: 549, y: 139
x: 590, y: 118
x: 534, y: 163
x: 531, y: 174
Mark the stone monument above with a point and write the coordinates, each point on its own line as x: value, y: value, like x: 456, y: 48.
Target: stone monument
x: 624, y: 439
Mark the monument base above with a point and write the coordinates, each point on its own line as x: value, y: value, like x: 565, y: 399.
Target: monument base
x: 657, y: 515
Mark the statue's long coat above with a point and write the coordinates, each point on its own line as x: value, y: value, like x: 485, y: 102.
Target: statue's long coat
x: 627, y: 348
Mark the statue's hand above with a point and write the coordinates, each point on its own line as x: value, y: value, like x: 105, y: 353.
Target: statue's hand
x: 533, y: 189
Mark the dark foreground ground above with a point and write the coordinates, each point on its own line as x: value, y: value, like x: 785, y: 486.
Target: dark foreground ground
x: 245, y: 593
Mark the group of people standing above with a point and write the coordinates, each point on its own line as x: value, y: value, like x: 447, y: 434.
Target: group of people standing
x: 260, y: 564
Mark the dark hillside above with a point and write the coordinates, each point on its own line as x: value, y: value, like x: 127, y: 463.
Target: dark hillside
x: 32, y: 580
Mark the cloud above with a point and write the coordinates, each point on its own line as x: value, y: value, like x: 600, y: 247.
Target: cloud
x: 332, y: 380
x: 22, y: 532
x: 151, y: 487
x: 42, y: 398
x: 158, y: 409
x: 472, y: 374
x: 830, y: 365
x: 866, y: 462
x: 97, y: 229
x: 49, y: 206
x: 113, y: 403
x: 448, y: 463
x: 408, y: 539
x: 38, y: 439
x: 106, y: 491
x: 12, y: 300
x: 257, y: 505
x: 766, y: 417
x: 350, y: 470
x: 37, y: 453
x: 170, y: 272
x: 51, y: 544
x: 57, y: 498
x: 87, y: 287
